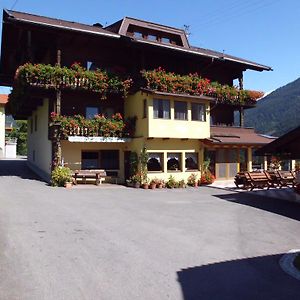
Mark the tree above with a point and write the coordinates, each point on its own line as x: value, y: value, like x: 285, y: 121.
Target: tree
x: 19, y: 132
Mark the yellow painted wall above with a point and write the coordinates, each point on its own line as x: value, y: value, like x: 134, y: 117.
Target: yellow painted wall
x: 170, y: 146
x: 134, y: 106
x: 39, y: 146
x: 150, y: 127
x: 2, y: 131
x: 71, y: 153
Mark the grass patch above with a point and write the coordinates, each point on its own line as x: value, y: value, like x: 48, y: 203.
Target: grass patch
x: 297, y: 262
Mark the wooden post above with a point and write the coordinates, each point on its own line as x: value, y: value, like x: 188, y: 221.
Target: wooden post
x: 242, y: 117
x: 56, y: 145
x: 241, y: 86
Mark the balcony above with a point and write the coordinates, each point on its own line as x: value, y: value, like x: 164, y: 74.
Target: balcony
x: 99, y: 129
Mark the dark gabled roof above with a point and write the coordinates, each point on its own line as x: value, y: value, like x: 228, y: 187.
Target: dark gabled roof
x: 118, y: 29
x: 224, y: 56
x: 57, y: 23
x: 287, y: 144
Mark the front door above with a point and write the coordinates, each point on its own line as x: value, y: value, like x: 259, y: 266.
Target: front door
x: 226, y: 163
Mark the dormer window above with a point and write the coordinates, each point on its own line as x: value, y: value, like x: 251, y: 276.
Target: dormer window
x: 152, y: 37
x: 138, y: 35
x: 165, y: 40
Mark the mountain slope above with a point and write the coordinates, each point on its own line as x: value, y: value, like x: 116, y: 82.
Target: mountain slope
x: 278, y: 112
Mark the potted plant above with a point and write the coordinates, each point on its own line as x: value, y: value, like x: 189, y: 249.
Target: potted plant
x: 61, y: 176
x: 160, y: 183
x: 145, y: 183
x: 181, y: 184
x: 135, y: 181
x: 207, y: 177
x: 171, y: 183
x: 153, y: 183
x: 192, y: 180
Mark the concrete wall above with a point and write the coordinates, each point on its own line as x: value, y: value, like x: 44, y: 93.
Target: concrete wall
x: 171, y: 128
x: 39, y: 146
x: 2, y: 131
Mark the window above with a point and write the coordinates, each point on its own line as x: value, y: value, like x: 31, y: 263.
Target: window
x: 155, y: 162
x: 91, y: 112
x: 145, y: 108
x: 138, y: 35
x: 109, y: 159
x: 198, y: 112
x: 191, y: 161
x: 90, y: 160
x: 108, y: 112
x: 35, y: 123
x: 161, y: 109
x: 165, y: 40
x: 180, y: 110
x: 91, y: 66
x: 257, y: 161
x: 152, y: 37
x: 174, y: 160
x: 103, y: 159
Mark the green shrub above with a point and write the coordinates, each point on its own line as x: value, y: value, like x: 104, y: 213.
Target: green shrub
x: 171, y: 183
x: 60, y: 175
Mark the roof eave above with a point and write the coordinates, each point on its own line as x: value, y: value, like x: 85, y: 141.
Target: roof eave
x: 14, y: 19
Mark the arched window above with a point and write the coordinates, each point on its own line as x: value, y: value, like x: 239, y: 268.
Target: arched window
x: 155, y: 162
x: 173, y: 163
x: 191, y: 161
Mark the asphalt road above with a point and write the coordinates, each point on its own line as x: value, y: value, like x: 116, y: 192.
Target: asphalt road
x: 123, y: 243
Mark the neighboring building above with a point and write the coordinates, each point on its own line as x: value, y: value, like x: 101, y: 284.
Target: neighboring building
x: 179, y: 126
x: 3, y: 101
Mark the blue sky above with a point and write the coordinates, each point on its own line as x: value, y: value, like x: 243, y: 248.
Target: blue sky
x: 265, y: 31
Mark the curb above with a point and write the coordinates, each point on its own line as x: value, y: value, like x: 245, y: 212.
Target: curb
x: 287, y: 263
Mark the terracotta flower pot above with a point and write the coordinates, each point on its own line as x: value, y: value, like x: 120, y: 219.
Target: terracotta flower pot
x: 152, y: 186
x: 68, y: 185
x: 160, y: 186
x: 145, y: 186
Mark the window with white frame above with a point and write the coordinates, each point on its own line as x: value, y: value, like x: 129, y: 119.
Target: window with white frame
x: 161, y: 109
x: 198, y: 112
x: 155, y: 162
x: 191, y: 161
x: 173, y: 161
x: 180, y: 109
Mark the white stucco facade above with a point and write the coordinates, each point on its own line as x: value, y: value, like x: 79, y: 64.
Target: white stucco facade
x: 39, y: 146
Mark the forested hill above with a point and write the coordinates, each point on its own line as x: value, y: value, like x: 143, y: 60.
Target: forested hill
x: 278, y: 112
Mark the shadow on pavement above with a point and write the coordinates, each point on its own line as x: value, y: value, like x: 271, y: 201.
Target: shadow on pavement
x: 17, y: 168
x: 276, y: 206
x: 247, y: 279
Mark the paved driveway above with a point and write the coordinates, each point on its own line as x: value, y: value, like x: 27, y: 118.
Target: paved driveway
x: 108, y: 243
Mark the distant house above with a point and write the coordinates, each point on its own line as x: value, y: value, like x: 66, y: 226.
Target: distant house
x: 149, y: 96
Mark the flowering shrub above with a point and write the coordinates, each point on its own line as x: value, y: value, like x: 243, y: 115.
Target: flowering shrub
x: 98, y: 126
x: 275, y: 163
x: 75, y: 77
x: 207, y: 177
x: 192, y: 179
x: 193, y: 84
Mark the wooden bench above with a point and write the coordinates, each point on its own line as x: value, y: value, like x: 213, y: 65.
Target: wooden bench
x: 242, y: 180
x: 259, y: 180
x: 286, y: 178
x: 251, y: 180
x: 274, y: 178
x: 98, y: 175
